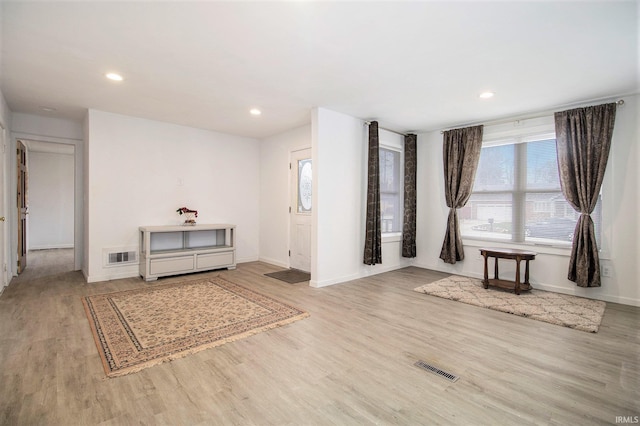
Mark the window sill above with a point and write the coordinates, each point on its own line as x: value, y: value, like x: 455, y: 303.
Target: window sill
x: 558, y: 250
x: 538, y: 248
x: 392, y: 237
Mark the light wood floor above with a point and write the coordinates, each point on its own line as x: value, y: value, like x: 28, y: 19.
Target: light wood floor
x: 350, y: 362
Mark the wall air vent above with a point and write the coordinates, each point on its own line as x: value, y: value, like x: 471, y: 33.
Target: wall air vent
x: 120, y: 257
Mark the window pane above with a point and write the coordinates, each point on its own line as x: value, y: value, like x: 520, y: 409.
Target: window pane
x: 518, y: 185
x: 390, y: 210
x: 390, y: 207
x: 487, y: 216
x: 304, y: 186
x: 542, y: 165
x: 596, y: 216
x: 389, y: 170
x: 495, y: 169
x: 550, y: 219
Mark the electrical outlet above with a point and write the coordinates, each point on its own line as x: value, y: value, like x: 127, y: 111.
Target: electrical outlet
x: 606, y: 270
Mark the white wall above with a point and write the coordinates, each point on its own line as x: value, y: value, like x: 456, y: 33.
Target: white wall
x: 51, y: 198
x: 549, y: 270
x: 85, y: 195
x: 5, y: 123
x: 5, y: 113
x: 140, y: 171
x: 275, y: 154
x: 40, y: 125
x: 339, y: 150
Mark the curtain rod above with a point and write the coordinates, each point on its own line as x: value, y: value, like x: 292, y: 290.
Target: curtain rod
x: 518, y: 118
x: 388, y: 130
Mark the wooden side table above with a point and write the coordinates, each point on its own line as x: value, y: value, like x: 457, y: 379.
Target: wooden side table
x: 505, y: 253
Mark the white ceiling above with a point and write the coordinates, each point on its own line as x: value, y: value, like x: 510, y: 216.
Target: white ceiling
x: 414, y: 66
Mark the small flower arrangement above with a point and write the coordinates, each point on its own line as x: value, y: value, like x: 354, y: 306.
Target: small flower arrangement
x: 190, y: 215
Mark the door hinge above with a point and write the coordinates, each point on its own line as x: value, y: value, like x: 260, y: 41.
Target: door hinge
x: 289, y: 209
x: 289, y: 166
x: 289, y: 253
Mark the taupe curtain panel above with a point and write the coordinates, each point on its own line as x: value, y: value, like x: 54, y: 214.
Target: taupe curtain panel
x: 583, y: 140
x: 409, y: 222
x: 373, y: 238
x: 461, y: 154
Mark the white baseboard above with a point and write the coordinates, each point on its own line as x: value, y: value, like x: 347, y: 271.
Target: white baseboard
x: 274, y: 262
x: 546, y: 287
x: 109, y: 277
x: 366, y: 271
x: 333, y: 281
x: 604, y: 297
x: 115, y: 275
x: 247, y: 259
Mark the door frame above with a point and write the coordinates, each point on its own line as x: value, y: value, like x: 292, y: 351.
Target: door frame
x: 78, y: 217
x: 22, y: 204
x: 4, y: 247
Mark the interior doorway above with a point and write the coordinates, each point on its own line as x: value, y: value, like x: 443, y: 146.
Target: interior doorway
x: 46, y: 200
x: 301, y: 178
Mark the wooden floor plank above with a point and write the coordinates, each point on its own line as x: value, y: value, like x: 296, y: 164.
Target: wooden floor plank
x: 350, y: 362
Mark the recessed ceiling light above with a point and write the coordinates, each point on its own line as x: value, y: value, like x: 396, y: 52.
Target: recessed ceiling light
x: 255, y: 111
x: 47, y: 109
x: 113, y: 76
x: 486, y: 95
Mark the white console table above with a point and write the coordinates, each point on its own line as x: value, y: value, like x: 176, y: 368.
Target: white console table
x: 180, y: 249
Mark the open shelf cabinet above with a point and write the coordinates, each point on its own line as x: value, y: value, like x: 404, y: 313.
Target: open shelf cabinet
x: 172, y: 250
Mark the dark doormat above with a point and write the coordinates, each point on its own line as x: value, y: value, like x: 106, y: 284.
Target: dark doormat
x: 290, y: 276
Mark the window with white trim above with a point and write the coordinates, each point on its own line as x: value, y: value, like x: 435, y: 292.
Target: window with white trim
x: 517, y: 196
x: 391, y: 187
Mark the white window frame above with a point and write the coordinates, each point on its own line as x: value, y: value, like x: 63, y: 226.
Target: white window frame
x: 530, y: 130
x: 395, y: 143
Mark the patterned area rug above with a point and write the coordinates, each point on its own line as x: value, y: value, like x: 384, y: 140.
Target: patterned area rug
x: 136, y: 329
x: 555, y: 308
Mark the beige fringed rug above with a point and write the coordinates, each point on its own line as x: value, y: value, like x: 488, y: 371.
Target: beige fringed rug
x: 555, y: 308
x: 136, y: 329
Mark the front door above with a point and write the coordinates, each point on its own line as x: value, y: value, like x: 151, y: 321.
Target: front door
x: 300, y: 217
x: 22, y: 206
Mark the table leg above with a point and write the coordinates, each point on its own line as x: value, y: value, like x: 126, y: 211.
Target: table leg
x: 485, y: 283
x: 526, y: 273
x: 495, y: 272
x: 517, y: 287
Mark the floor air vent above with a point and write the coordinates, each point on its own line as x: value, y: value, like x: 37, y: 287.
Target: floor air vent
x: 436, y: 370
